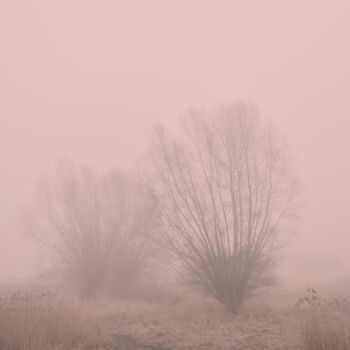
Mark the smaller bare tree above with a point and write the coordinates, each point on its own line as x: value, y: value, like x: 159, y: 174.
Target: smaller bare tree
x: 224, y: 188
x: 93, y: 227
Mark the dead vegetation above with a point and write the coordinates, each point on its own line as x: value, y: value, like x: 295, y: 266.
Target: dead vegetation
x: 198, y: 323
x: 327, y: 322
x: 35, y: 321
x: 211, y: 208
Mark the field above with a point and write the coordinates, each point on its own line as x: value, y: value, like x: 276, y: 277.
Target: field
x: 53, y: 321
x: 199, y: 324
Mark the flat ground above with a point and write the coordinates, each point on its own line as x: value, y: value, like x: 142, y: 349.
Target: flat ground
x: 197, y: 323
x: 45, y: 321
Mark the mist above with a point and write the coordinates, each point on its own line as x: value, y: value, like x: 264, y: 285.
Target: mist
x: 87, y: 81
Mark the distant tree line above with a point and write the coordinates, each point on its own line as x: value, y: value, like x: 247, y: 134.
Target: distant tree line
x: 217, y: 196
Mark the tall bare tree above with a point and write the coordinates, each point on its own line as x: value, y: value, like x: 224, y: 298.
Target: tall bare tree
x: 93, y: 225
x: 224, y: 187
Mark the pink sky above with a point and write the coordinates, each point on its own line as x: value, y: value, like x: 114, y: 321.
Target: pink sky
x: 86, y: 80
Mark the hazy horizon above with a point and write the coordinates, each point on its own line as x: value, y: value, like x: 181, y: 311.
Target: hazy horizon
x: 86, y: 80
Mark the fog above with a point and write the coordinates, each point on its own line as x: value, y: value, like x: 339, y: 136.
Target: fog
x: 86, y: 80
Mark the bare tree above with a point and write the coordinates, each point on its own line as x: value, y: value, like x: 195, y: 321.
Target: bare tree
x: 224, y: 188
x: 94, y: 226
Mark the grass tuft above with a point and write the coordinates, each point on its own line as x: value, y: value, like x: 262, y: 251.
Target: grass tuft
x: 35, y: 321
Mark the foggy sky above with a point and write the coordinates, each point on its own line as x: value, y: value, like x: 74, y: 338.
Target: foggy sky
x: 87, y: 79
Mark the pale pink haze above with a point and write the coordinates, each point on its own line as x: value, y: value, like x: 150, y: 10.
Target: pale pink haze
x: 87, y: 79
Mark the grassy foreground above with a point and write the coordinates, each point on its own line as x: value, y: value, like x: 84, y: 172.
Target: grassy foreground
x: 47, y: 321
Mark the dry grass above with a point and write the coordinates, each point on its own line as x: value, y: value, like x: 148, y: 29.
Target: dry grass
x: 326, y: 330
x: 326, y: 322
x: 46, y: 321
x: 35, y: 321
x: 196, y: 323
